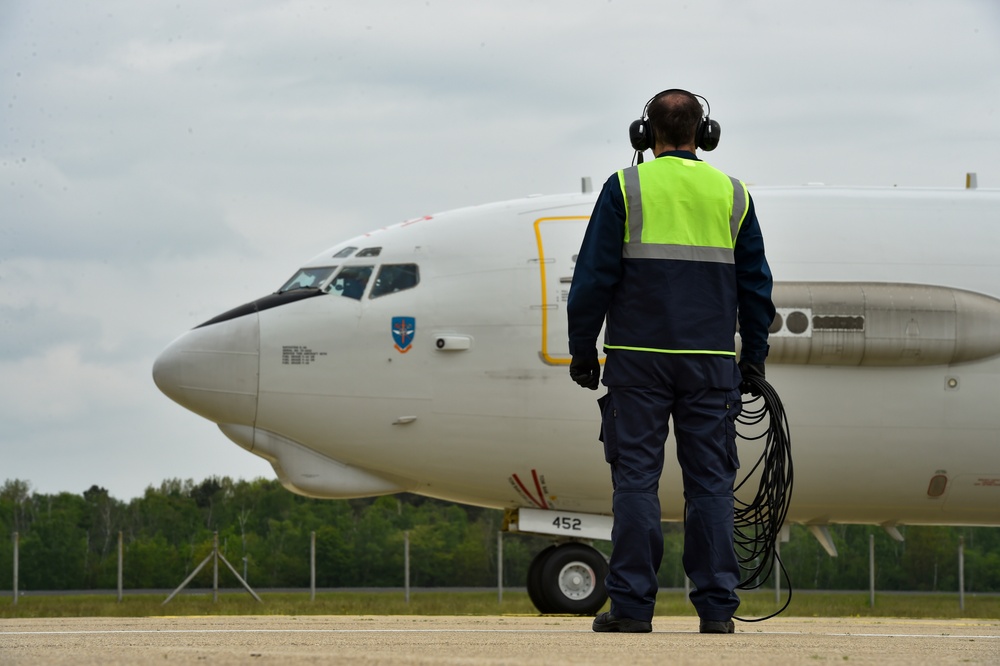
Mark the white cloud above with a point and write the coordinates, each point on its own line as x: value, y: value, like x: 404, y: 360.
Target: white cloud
x: 60, y: 386
x: 150, y: 59
x: 161, y: 162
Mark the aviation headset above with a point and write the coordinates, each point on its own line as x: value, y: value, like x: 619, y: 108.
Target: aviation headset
x: 706, y: 135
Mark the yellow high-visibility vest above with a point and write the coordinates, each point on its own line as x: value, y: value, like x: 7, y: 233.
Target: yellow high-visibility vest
x: 679, y: 209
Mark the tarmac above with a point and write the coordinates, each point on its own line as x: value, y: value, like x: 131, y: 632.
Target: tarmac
x: 520, y: 640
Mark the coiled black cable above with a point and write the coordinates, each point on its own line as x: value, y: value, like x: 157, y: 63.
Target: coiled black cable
x: 758, y: 522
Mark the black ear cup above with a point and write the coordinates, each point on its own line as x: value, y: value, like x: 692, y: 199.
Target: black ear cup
x: 639, y: 134
x: 708, y: 134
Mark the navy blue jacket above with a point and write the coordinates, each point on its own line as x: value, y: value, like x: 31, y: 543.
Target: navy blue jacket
x: 599, y: 269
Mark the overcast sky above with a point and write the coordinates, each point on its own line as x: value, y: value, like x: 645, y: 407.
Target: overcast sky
x: 161, y: 162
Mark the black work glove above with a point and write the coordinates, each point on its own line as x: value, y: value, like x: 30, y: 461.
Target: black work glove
x: 585, y: 371
x: 750, y: 369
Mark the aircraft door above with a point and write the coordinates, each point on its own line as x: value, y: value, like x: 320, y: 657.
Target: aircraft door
x: 558, y: 240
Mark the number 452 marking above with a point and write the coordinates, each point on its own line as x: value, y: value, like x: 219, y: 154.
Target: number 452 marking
x: 569, y: 524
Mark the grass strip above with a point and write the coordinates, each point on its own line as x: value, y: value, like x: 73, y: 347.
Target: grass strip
x: 669, y: 602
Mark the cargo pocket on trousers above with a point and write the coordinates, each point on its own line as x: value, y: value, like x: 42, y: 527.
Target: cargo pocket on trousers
x: 734, y: 406
x: 609, y: 433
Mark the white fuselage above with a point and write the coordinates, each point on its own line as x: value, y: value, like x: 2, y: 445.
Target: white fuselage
x: 475, y: 404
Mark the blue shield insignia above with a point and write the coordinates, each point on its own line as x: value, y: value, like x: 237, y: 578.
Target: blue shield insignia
x: 403, y: 329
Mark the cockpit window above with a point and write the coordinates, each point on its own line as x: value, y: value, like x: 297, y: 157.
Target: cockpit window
x: 395, y: 277
x: 370, y: 252
x: 346, y: 252
x: 351, y: 281
x: 308, y: 278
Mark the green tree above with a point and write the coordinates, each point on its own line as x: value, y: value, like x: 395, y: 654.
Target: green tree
x: 53, y: 553
x: 69, y: 541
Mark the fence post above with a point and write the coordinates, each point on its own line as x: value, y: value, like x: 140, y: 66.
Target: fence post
x: 121, y: 562
x: 215, y: 568
x: 17, y: 540
x: 406, y: 564
x: 777, y: 571
x: 499, y: 567
x: 961, y: 573
x: 215, y: 555
x: 312, y: 566
x: 871, y: 570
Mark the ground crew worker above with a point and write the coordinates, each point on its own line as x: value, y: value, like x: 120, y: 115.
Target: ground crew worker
x: 672, y: 258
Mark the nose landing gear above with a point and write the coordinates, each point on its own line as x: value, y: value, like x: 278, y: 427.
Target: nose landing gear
x: 568, y: 579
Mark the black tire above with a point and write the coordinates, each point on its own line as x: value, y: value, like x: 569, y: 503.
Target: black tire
x: 572, y: 580
x: 535, y: 586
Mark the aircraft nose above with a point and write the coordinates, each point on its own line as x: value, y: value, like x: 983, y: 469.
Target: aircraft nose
x: 213, y: 370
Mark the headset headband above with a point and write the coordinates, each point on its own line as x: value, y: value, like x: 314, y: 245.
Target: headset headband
x: 706, y: 107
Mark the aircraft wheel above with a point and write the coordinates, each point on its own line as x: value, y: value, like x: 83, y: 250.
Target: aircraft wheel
x: 535, y: 581
x: 572, y: 580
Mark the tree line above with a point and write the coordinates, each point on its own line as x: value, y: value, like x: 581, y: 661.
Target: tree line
x: 69, y: 541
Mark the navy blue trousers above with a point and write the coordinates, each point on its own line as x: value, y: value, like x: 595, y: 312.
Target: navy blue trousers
x: 701, y: 393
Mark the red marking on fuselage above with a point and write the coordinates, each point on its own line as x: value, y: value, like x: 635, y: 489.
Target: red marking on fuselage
x: 415, y: 220
x: 538, y: 486
x: 525, y: 491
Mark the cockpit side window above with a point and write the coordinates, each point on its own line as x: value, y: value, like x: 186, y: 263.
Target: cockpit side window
x: 346, y: 252
x: 351, y: 281
x: 308, y: 278
x: 395, y: 277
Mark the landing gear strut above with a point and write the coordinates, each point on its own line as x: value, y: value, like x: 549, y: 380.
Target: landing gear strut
x: 568, y: 579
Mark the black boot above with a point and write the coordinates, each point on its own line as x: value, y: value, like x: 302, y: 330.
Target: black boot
x: 717, y: 627
x: 608, y: 622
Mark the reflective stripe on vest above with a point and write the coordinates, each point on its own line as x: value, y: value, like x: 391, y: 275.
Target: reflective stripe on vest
x: 712, y: 352
x: 693, y: 234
